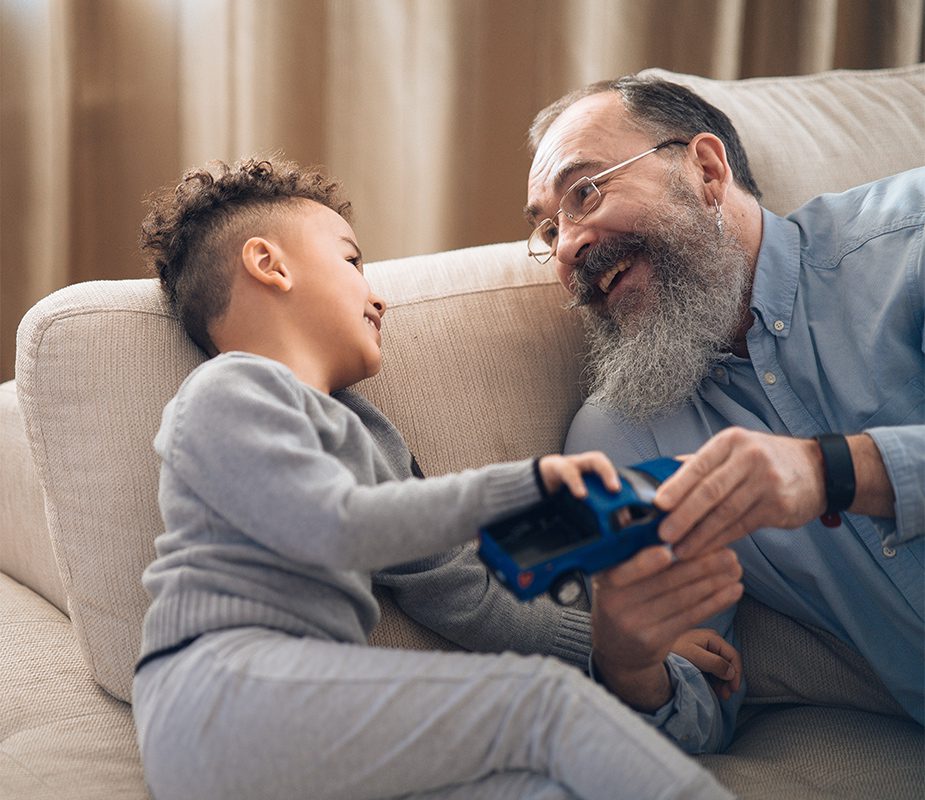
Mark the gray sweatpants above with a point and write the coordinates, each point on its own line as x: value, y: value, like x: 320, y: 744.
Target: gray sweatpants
x: 254, y: 713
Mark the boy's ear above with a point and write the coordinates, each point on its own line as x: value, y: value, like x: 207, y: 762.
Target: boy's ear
x: 263, y: 262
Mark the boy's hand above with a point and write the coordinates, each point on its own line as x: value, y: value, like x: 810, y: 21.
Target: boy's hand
x: 556, y: 470
x: 714, y: 656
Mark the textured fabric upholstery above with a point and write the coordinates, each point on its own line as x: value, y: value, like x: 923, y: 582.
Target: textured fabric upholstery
x: 25, y: 548
x: 806, y: 753
x: 822, y: 133
x: 96, y: 362
x: 480, y: 359
x: 61, y: 736
x: 827, y: 672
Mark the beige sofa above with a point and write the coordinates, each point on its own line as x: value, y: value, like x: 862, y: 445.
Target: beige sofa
x: 481, y: 364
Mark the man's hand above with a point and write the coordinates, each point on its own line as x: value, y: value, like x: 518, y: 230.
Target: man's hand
x: 737, y: 482
x: 641, y: 607
x: 743, y: 480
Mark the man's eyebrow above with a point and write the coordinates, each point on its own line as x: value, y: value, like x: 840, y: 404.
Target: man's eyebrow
x: 354, y: 245
x: 586, y: 165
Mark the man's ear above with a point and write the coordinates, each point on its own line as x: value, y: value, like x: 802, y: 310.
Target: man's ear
x: 263, y: 262
x: 710, y: 156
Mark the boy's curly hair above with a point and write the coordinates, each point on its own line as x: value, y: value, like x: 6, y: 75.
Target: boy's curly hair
x: 193, y: 233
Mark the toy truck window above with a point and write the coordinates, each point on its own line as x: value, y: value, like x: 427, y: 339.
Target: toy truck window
x: 644, y: 486
x: 555, y: 527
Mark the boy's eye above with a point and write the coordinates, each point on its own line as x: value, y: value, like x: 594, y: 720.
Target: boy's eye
x: 357, y: 262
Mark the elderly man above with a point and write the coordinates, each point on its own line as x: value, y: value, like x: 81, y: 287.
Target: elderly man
x: 785, y: 354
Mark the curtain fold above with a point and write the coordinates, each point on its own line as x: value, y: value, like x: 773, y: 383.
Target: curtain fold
x: 419, y: 106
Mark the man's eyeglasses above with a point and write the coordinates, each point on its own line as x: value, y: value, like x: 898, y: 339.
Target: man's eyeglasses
x: 579, y: 200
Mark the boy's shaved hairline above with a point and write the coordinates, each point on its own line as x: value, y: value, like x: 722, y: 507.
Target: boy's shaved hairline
x: 193, y: 233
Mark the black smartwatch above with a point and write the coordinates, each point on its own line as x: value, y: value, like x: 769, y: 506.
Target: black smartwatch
x: 838, y: 469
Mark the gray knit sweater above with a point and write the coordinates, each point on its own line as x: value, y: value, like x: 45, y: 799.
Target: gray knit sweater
x: 279, y: 501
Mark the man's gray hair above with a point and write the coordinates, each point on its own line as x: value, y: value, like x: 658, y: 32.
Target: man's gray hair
x: 665, y: 110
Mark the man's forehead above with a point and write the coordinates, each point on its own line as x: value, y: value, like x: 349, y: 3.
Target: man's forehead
x: 587, y: 132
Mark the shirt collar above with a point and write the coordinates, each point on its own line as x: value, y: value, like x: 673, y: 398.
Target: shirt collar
x: 777, y: 273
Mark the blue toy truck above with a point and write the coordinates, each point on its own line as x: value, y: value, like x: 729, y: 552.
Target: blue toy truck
x: 554, y: 543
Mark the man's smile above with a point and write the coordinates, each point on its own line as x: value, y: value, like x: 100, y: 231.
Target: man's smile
x: 609, y: 279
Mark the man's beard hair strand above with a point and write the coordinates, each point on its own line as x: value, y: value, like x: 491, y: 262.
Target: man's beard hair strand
x: 649, y: 352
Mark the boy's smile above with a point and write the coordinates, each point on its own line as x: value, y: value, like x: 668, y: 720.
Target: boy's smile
x: 300, y: 298
x: 340, y: 316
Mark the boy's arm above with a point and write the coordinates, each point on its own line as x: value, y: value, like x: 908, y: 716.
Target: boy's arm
x: 246, y: 438
x: 454, y: 594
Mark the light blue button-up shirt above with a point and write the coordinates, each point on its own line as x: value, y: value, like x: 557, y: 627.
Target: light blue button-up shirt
x: 838, y: 345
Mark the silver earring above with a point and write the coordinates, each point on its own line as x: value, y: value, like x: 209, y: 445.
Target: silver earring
x: 719, y: 215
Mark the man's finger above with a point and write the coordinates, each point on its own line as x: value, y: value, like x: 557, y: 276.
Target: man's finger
x: 710, y: 496
x: 693, y: 470
x: 647, y: 562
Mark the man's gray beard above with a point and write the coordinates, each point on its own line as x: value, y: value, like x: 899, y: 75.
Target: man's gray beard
x: 649, y: 352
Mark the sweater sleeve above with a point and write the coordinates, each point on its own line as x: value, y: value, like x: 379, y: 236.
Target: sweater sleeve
x: 455, y: 595
x: 243, y: 440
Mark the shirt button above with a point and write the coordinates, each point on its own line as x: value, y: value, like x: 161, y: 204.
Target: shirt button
x: 889, y: 552
x: 778, y: 325
x: 770, y: 378
x: 719, y: 373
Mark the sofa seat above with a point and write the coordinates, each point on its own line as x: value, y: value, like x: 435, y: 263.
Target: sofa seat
x: 61, y: 736
x: 800, y: 751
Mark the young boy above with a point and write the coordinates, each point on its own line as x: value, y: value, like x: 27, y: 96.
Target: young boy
x: 281, y: 493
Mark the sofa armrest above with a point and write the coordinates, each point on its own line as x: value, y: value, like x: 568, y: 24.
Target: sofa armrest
x: 25, y: 546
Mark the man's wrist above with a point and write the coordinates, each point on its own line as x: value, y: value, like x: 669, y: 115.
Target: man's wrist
x: 646, y: 689
x: 874, y: 494
x: 838, y: 474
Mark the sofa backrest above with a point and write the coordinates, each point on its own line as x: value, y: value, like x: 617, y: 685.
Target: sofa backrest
x: 481, y: 363
x: 827, y: 132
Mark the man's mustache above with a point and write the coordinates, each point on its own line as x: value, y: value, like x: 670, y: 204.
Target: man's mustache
x: 600, y: 258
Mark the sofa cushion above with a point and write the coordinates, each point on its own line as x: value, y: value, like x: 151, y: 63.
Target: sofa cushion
x: 25, y: 547
x: 822, y: 133
x: 61, y: 736
x: 825, y: 671
x: 806, y: 753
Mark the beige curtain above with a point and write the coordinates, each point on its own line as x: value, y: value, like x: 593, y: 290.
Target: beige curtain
x: 420, y: 106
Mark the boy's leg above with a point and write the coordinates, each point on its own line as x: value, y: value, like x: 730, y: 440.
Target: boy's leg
x: 499, y: 786
x: 251, y: 712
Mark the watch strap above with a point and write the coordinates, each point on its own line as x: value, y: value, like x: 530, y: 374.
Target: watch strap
x: 838, y: 469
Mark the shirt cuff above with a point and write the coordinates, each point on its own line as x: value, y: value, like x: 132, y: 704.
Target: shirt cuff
x: 692, y: 716
x: 902, y: 452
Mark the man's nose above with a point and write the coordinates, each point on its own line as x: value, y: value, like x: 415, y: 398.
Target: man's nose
x: 575, y: 239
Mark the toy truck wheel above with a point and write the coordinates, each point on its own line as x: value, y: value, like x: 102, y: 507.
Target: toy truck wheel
x: 567, y: 589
